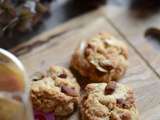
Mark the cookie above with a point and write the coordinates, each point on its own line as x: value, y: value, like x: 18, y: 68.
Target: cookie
x: 112, y: 101
x: 57, y: 92
x: 102, y: 58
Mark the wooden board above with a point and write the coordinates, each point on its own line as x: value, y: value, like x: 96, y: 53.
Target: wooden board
x: 57, y: 46
x: 133, y: 30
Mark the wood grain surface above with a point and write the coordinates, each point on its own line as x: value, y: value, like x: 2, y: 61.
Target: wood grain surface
x: 133, y: 29
x: 57, y: 46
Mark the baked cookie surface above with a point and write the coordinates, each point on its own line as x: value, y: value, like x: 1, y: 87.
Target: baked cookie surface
x: 102, y: 58
x: 112, y: 101
x: 56, y: 92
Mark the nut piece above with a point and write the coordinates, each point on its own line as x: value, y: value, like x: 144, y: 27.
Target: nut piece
x: 69, y: 91
x: 107, y: 65
x: 121, y: 103
x: 125, y: 116
x: 110, y: 88
x: 63, y: 75
x: 126, y: 104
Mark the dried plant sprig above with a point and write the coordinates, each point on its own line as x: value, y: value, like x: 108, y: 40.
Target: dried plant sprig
x: 21, y: 15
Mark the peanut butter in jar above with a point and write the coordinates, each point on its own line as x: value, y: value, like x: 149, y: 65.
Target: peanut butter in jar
x: 11, y: 79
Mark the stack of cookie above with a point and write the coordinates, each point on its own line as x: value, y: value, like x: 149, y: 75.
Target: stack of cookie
x: 102, y: 60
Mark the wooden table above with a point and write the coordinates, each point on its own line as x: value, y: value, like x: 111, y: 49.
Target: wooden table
x: 56, y: 47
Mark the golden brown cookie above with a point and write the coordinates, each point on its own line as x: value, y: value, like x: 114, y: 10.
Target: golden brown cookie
x: 57, y: 92
x: 102, y: 58
x: 112, y: 101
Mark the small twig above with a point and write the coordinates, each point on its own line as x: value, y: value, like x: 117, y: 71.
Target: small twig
x: 10, y: 23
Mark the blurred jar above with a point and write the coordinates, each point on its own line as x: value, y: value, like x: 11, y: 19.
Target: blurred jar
x: 14, y: 89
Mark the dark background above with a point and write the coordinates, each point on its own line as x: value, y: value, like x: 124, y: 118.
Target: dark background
x: 64, y: 10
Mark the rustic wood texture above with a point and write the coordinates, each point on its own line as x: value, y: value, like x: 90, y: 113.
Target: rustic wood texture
x: 57, y: 46
x: 49, y: 35
x: 133, y: 29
